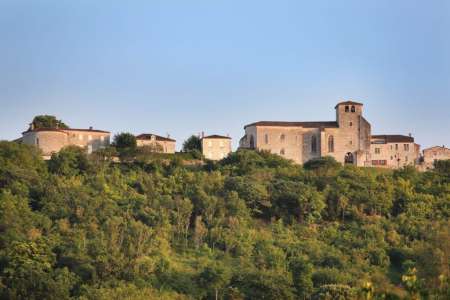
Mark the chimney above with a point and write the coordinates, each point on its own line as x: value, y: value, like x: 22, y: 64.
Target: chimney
x: 203, y: 134
x: 410, y: 135
x: 168, y: 135
x: 90, y: 127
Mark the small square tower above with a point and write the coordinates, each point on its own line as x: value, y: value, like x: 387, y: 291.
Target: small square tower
x: 348, y: 114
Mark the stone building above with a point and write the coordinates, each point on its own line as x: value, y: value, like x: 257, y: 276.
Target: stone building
x: 158, y: 143
x: 51, y: 140
x: 348, y: 139
x: 216, y: 147
x: 430, y: 155
x: 394, y: 151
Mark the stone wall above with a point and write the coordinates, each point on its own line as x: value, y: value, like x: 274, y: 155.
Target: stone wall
x: 164, y: 146
x: 216, y: 148
x: 51, y: 141
x: 393, y: 155
x: 435, y: 153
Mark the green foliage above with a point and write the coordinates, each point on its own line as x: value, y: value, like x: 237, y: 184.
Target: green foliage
x: 126, y: 145
x: 322, y: 164
x: 253, y: 226
x: 193, y: 143
x: 69, y: 161
x: 46, y: 121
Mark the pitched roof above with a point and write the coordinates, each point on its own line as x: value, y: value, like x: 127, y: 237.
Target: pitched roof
x: 216, y: 136
x: 394, y: 138
x: 148, y: 136
x: 348, y: 103
x: 63, y: 130
x: 331, y: 124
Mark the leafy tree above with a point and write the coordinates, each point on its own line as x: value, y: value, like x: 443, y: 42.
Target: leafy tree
x: 297, y: 199
x: 215, y: 278
x: 323, y: 164
x: 302, y: 270
x: 69, y: 161
x: 124, y: 140
x: 126, y: 145
x: 193, y: 143
x: 47, y: 121
x: 21, y: 168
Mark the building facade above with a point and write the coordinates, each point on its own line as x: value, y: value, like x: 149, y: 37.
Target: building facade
x: 430, y: 155
x: 394, y: 151
x: 52, y: 140
x: 216, y: 147
x: 159, y: 144
x: 348, y: 139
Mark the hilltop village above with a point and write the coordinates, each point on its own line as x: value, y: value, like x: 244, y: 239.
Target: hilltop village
x: 348, y: 139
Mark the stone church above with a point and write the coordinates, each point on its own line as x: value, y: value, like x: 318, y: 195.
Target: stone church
x: 348, y: 139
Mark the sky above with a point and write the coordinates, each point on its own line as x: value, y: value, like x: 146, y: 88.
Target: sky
x: 183, y: 67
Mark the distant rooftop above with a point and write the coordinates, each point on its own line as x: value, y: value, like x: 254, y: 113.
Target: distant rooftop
x: 216, y: 136
x: 396, y: 138
x: 331, y: 124
x: 63, y: 130
x: 348, y: 103
x: 148, y: 136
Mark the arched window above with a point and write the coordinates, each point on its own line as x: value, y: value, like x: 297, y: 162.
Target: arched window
x: 252, y: 142
x: 353, y: 108
x: 266, y: 138
x: 282, y: 137
x: 282, y: 152
x: 349, y: 159
x: 313, y: 144
x: 347, y: 108
x: 331, y: 144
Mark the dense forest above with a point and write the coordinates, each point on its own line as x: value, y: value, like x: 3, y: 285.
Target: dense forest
x: 252, y: 226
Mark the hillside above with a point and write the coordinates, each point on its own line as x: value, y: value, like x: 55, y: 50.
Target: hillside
x: 252, y: 226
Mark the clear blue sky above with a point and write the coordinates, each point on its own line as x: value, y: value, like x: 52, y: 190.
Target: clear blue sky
x: 182, y: 67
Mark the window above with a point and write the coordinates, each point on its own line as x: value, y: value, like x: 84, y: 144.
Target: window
x: 396, y: 147
x: 353, y: 108
x: 351, y: 142
x: 406, y: 147
x: 313, y: 144
x: 282, y: 152
x: 282, y: 137
x: 330, y: 144
x: 347, y: 108
x: 266, y: 138
x: 37, y: 141
x: 351, y: 124
x: 377, y: 150
x: 392, y: 158
x: 379, y: 163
